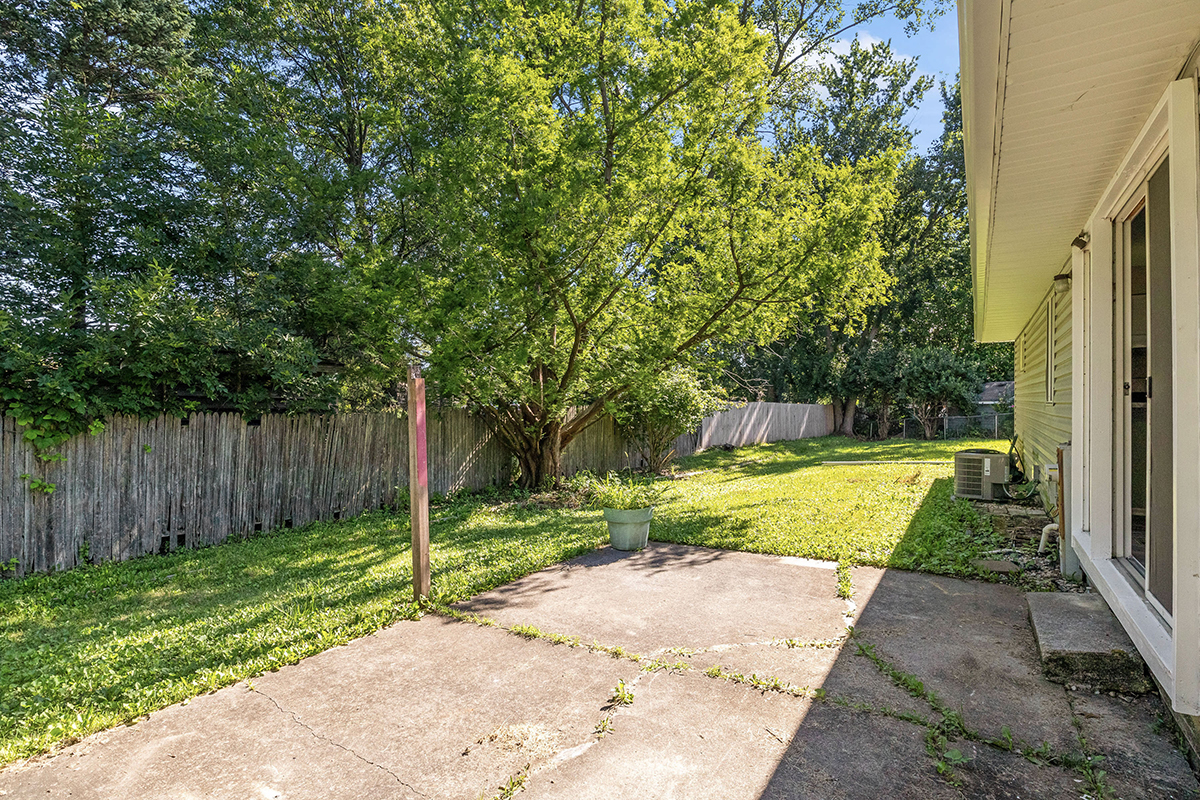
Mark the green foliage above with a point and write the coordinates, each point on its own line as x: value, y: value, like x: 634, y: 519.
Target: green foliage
x: 924, y: 238
x: 96, y: 646
x: 624, y: 494
x: 106, y: 51
x: 845, y: 581
x: 631, y: 221
x: 653, y: 413
x: 37, y: 484
x: 868, y: 93
x: 935, y: 378
x: 165, y: 235
x: 781, y: 499
x: 945, y: 534
x: 622, y: 695
x: 274, y: 205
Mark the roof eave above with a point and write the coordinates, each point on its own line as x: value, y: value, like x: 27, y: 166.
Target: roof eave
x: 980, y: 26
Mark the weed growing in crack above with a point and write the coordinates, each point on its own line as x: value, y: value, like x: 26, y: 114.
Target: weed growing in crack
x: 845, y: 586
x: 905, y: 680
x: 1006, y: 738
x: 615, y: 651
x: 764, y: 684
x: 887, y: 711
x: 669, y: 666
x: 604, y: 726
x: 815, y: 644
x: 1088, y: 765
x: 686, y: 652
x: 1094, y: 778
x: 513, y: 785
x: 952, y: 726
x: 1165, y: 725
x: 462, y: 616
x: 535, y: 633
x: 622, y: 696
x: 530, y: 632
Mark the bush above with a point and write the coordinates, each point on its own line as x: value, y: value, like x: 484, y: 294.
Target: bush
x: 614, y: 493
x: 653, y: 414
x: 934, y: 378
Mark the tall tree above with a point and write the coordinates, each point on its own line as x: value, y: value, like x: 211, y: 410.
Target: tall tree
x: 606, y: 214
x: 85, y: 192
x: 926, y: 247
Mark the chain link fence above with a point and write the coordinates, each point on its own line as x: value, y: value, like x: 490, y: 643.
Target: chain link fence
x: 978, y: 426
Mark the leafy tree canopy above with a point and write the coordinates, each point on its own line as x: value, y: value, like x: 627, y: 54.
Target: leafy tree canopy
x: 606, y: 216
x: 547, y: 204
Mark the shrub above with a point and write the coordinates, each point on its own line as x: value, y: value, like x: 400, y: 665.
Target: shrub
x: 615, y: 493
x: 653, y: 414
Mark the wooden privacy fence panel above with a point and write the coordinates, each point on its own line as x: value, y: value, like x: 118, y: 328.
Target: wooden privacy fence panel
x: 142, y: 486
x: 599, y: 449
x: 758, y: 423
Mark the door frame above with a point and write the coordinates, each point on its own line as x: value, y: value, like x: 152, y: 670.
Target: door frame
x: 1172, y: 654
x: 1122, y: 514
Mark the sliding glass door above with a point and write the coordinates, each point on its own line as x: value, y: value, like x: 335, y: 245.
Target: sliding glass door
x: 1142, y: 428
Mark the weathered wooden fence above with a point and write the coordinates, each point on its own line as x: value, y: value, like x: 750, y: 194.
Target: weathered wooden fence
x: 144, y: 486
x: 147, y: 486
x: 758, y: 423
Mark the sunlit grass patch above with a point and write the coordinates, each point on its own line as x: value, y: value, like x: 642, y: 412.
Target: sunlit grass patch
x: 782, y: 499
x: 88, y: 649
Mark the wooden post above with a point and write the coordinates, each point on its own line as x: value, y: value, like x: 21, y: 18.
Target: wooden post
x: 418, y: 482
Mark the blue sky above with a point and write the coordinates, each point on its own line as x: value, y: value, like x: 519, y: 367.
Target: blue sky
x: 937, y: 53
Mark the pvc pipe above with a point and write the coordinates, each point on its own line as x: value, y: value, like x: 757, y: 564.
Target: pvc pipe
x: 1053, y: 526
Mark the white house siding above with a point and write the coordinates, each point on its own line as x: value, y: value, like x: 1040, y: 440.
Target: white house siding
x: 1042, y: 426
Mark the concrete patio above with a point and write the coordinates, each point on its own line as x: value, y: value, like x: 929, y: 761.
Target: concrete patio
x: 745, y: 685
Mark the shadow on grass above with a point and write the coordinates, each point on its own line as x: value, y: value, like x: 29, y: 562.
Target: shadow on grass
x: 702, y: 529
x: 92, y: 647
x: 944, y: 535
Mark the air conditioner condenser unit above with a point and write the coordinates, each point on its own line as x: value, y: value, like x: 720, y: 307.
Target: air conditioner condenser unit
x: 977, y: 473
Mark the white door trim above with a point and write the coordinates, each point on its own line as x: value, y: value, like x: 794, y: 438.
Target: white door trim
x: 1185, y: 366
x: 1173, y: 655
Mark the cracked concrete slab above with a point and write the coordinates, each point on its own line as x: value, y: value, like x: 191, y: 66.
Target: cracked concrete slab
x: 799, y: 666
x: 429, y: 709
x: 685, y: 736
x: 842, y: 754
x: 449, y: 709
x: 970, y: 643
x: 672, y: 596
x: 1135, y: 733
x: 992, y: 774
x: 194, y: 751
x: 856, y: 679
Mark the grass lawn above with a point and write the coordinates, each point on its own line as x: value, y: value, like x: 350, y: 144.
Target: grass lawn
x: 779, y: 499
x: 88, y: 649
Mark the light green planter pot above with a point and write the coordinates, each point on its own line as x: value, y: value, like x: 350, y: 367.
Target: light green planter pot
x: 628, y: 529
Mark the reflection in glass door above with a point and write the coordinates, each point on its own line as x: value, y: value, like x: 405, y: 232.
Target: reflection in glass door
x: 1137, y: 365
x: 1144, y: 373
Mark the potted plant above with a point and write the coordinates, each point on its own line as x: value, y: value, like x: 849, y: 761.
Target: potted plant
x: 628, y: 507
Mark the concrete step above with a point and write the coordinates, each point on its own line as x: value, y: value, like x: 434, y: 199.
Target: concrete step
x: 1082, y: 643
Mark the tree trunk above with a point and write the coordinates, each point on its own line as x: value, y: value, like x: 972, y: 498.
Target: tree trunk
x: 885, y: 418
x: 541, y: 459
x: 843, y: 415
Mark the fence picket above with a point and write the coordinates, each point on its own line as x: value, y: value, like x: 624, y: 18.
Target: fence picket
x: 210, y: 477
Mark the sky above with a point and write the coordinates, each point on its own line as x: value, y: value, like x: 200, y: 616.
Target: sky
x: 937, y: 54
